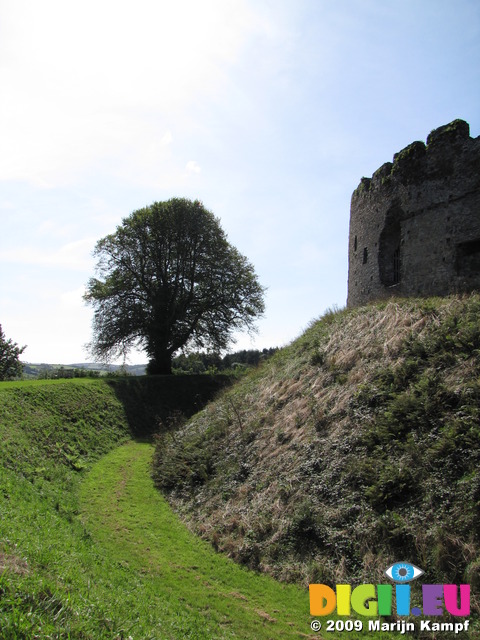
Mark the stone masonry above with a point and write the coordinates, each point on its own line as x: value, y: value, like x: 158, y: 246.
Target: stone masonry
x: 415, y: 224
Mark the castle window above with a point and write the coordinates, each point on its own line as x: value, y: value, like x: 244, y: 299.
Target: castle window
x: 467, y: 261
x: 389, y: 255
x: 365, y: 255
x: 355, y: 243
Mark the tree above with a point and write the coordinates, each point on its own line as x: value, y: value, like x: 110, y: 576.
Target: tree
x: 169, y: 280
x: 10, y: 365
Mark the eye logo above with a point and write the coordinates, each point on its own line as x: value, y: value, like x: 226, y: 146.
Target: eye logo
x: 403, y: 572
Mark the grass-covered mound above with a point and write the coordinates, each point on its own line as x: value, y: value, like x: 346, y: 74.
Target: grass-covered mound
x: 355, y: 447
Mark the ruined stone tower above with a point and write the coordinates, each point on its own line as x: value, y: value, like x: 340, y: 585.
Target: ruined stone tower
x: 415, y: 225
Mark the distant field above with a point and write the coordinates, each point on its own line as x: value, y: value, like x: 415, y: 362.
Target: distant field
x: 19, y: 384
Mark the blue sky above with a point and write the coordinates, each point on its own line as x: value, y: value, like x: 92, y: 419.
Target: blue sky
x: 268, y: 111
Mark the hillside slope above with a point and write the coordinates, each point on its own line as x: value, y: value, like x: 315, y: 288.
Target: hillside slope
x: 354, y: 447
x: 50, y: 433
x: 54, y: 580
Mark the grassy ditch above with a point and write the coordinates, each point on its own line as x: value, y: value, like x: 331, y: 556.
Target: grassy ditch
x: 54, y: 583
x: 179, y: 586
x: 89, y: 550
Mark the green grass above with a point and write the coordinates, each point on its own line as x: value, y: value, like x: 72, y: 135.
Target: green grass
x: 50, y: 433
x: 116, y: 563
x: 181, y: 587
x: 22, y: 384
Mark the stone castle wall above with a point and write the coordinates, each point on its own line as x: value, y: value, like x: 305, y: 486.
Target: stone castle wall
x: 415, y: 225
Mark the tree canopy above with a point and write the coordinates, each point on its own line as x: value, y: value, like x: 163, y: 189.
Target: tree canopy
x: 170, y: 280
x: 10, y: 365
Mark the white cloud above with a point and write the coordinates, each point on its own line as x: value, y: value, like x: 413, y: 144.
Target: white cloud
x: 7, y: 205
x: 53, y: 229
x: 51, y: 319
x: 193, y: 167
x: 55, y: 334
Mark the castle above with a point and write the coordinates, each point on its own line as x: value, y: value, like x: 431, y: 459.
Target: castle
x: 415, y: 224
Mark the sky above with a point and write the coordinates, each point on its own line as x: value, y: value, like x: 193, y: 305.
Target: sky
x: 268, y: 111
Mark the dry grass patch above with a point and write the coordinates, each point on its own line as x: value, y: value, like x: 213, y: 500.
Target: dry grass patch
x: 13, y: 563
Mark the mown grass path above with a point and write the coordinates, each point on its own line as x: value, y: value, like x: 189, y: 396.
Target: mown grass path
x: 178, y: 586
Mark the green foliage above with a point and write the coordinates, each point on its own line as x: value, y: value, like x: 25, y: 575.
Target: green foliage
x: 10, y: 352
x: 169, y: 279
x: 61, y: 372
x: 236, y: 362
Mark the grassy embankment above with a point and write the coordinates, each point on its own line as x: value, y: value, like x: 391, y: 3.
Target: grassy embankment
x: 355, y: 447
x: 50, y: 434
x: 89, y: 550
x: 57, y: 579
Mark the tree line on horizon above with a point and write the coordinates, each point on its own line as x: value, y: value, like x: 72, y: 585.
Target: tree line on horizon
x: 191, y: 363
x: 213, y: 362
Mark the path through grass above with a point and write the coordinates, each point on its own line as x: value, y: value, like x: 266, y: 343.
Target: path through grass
x: 181, y: 587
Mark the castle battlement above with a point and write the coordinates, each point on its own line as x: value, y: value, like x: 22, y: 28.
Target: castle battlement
x: 415, y: 224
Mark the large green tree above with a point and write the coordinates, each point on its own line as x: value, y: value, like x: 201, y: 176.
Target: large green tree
x: 10, y: 365
x: 169, y: 280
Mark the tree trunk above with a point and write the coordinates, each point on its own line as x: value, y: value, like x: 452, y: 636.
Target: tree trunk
x: 161, y: 364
